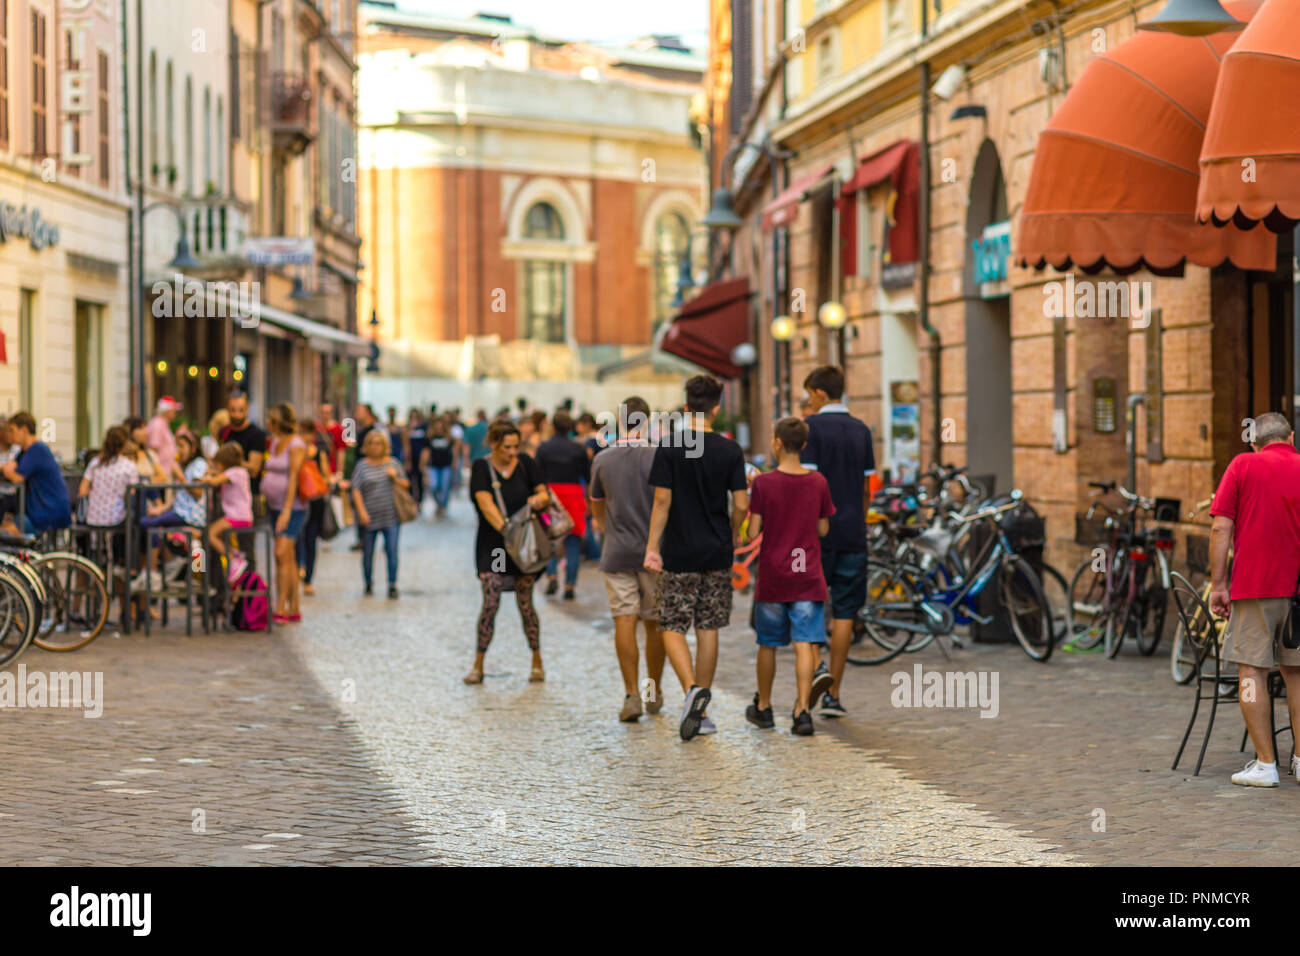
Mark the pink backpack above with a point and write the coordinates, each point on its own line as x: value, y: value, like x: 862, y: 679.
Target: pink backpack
x: 249, y: 612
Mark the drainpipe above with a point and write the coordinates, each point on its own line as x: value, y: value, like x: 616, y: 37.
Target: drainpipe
x: 924, y: 303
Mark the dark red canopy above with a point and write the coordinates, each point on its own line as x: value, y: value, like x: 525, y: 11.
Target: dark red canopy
x: 709, y: 326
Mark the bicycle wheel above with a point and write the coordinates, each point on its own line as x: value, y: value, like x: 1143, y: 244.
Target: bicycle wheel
x: 78, y: 601
x: 1087, y: 611
x: 1027, y: 607
x: 1154, y: 612
x: 17, y: 614
x: 888, y: 587
x: 1196, y: 627
x: 1058, y: 599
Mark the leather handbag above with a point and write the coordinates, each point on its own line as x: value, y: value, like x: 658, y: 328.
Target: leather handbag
x: 311, y: 484
x: 407, y: 510
x: 525, y: 536
x: 556, y: 518
x: 1291, y: 626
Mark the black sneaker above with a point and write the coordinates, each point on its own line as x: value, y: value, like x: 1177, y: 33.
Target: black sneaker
x: 821, y: 682
x: 392, y: 592
x: 697, y: 700
x: 568, y: 594
x: 369, y: 592
x: 552, y: 586
x: 803, y: 725
x: 831, y: 707
x: 759, y: 718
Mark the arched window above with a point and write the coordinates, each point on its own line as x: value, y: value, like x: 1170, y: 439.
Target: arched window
x: 545, y: 292
x: 207, y: 137
x: 671, y: 236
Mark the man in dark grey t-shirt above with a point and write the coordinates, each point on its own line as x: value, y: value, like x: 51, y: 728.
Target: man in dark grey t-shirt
x: 621, y: 503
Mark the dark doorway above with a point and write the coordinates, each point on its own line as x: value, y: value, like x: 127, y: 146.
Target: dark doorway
x: 988, y: 335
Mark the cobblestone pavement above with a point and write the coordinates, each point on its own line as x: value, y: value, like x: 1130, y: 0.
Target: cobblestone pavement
x: 351, y: 740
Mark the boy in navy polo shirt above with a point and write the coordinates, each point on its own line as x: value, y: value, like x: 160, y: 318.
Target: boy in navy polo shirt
x: 791, y: 508
x: 839, y: 446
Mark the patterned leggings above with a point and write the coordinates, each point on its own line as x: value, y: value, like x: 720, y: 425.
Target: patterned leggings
x: 487, y: 618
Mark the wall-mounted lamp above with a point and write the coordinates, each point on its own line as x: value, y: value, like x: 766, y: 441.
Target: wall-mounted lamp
x: 832, y: 315
x: 783, y: 328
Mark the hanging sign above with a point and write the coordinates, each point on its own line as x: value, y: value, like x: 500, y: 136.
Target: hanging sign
x: 989, y: 253
x: 76, y: 86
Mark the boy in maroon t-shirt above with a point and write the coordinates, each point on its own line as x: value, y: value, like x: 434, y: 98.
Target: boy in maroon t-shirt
x: 791, y: 508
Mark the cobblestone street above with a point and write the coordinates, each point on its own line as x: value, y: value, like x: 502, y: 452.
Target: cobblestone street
x: 351, y: 740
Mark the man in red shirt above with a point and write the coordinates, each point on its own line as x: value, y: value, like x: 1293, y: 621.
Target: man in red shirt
x: 1256, y: 512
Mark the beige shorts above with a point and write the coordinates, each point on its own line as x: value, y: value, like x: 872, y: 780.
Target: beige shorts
x: 633, y: 592
x: 1254, y: 634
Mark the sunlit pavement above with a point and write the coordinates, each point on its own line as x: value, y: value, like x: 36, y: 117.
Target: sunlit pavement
x: 351, y: 739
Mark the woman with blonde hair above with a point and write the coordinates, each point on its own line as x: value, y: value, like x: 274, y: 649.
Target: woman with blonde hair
x: 216, y: 425
x: 285, y: 453
x: 372, y: 492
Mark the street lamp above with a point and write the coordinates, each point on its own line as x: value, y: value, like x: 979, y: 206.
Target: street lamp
x: 832, y: 315
x: 783, y: 328
x: 685, y: 275
x: 183, y: 259
x: 1192, y: 18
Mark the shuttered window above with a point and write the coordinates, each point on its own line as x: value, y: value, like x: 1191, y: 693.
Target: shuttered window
x: 742, y: 61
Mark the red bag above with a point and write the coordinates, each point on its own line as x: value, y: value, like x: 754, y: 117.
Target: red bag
x: 310, y: 483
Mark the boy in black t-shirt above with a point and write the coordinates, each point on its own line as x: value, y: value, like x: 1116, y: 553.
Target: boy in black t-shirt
x: 692, y: 541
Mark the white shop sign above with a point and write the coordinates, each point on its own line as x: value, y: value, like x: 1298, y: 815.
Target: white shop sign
x: 76, y: 87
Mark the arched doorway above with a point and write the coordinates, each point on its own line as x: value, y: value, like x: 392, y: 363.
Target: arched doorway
x: 988, y: 324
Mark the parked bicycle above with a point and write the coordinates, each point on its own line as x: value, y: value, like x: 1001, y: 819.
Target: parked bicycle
x: 1121, y: 590
x: 932, y: 584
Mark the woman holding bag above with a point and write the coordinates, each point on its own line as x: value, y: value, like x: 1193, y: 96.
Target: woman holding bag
x: 515, y: 481
x: 313, y: 486
x: 285, y: 454
x: 374, y: 483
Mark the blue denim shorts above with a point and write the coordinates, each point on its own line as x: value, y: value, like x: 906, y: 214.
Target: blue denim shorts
x: 777, y: 622
x: 297, y: 517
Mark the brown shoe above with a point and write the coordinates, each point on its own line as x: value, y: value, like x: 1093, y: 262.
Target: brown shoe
x: 656, y: 704
x: 631, y: 711
x: 536, y: 675
x: 475, y: 676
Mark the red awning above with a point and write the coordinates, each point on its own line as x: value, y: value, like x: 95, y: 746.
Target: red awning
x: 1116, y: 169
x: 709, y: 326
x: 900, y: 165
x: 785, y: 207
x: 1250, y: 161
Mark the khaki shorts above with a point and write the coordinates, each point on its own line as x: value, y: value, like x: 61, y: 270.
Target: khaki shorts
x: 633, y: 592
x: 1254, y: 634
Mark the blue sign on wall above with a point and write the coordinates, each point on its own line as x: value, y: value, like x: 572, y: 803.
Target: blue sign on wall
x: 989, y: 253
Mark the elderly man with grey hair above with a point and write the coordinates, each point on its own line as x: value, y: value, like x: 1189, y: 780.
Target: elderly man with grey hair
x: 1256, y: 512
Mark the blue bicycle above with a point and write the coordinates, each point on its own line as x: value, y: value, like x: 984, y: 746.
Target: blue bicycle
x: 933, y: 584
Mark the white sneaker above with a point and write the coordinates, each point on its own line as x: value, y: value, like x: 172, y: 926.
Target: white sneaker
x: 707, y: 726
x: 1257, y: 774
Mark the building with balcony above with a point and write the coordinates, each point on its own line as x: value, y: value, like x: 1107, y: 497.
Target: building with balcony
x: 526, y: 203
x: 64, y: 317
x: 247, y: 117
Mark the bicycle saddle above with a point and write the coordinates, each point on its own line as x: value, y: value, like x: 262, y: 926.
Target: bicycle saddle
x: 18, y: 540
x: 935, y: 541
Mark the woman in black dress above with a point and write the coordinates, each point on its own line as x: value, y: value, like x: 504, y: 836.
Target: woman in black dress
x: 520, y: 483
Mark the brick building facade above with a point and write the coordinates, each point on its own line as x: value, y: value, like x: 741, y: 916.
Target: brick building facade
x: 1036, y: 400
x: 527, y: 203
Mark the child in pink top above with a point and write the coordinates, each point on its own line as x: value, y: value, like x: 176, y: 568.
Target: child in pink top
x: 230, y: 475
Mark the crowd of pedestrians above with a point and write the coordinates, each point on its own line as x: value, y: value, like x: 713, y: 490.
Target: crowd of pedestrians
x: 671, y: 499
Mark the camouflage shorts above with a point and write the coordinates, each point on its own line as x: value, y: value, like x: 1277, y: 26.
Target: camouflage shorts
x: 702, y: 598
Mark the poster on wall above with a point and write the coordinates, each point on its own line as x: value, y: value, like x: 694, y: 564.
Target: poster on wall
x: 904, y: 431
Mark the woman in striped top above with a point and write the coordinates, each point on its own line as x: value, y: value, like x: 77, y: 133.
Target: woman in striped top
x: 372, y: 493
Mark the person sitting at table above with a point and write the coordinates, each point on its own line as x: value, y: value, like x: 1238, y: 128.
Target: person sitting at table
x: 104, y: 486
x: 48, y: 506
